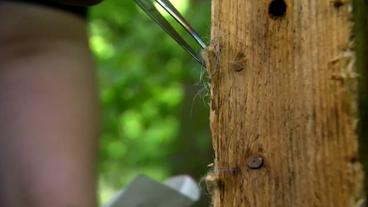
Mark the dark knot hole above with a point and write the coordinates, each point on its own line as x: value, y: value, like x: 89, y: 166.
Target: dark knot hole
x: 277, y: 8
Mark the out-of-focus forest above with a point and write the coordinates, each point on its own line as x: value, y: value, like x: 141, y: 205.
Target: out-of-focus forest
x: 155, y: 111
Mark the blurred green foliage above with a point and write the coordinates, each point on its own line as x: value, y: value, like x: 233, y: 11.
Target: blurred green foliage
x: 154, y: 119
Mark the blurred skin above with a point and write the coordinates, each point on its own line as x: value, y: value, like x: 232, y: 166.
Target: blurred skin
x: 48, y: 109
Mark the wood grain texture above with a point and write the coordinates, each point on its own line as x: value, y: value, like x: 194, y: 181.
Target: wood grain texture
x: 285, y: 89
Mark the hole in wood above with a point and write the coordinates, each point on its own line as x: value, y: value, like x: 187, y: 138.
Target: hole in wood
x: 354, y: 160
x: 338, y: 3
x: 277, y: 8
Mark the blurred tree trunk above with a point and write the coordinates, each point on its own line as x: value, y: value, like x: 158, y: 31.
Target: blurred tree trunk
x: 284, y: 107
x: 191, y: 152
x: 361, y: 42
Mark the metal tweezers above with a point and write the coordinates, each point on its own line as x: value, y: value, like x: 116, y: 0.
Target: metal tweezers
x: 148, y: 6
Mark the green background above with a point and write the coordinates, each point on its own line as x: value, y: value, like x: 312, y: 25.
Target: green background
x: 153, y: 95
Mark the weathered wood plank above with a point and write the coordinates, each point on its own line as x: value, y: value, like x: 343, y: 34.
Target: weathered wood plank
x: 284, y: 88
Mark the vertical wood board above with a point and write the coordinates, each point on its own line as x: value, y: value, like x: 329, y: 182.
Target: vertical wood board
x: 284, y: 89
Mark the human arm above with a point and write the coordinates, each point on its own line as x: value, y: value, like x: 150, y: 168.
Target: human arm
x: 48, y: 109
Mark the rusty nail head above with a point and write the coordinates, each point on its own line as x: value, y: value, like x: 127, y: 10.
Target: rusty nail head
x: 255, y: 162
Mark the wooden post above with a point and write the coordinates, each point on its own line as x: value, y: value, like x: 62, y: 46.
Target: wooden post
x: 284, y: 104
